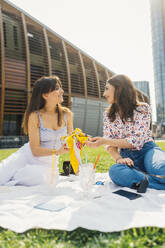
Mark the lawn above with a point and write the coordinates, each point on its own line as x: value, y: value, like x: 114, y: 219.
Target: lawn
x: 135, y: 237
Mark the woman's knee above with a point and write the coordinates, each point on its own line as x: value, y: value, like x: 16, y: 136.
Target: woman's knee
x: 123, y: 175
x: 154, y: 162
x: 114, y: 172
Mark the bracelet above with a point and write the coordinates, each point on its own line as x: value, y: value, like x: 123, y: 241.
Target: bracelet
x: 118, y: 159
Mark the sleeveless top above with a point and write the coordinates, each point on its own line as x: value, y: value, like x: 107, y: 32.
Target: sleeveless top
x: 50, y: 138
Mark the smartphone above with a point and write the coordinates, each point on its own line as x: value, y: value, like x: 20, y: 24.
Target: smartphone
x: 127, y: 194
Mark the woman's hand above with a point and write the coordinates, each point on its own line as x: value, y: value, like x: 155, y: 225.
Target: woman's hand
x: 95, y: 142
x: 62, y: 150
x: 126, y: 161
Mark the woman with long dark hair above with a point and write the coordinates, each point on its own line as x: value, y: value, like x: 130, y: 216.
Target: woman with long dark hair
x: 45, y: 121
x: 127, y: 127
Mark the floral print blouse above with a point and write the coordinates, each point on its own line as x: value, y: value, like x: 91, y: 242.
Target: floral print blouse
x: 136, y: 133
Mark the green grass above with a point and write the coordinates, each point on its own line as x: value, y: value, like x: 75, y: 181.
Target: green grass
x: 136, y: 237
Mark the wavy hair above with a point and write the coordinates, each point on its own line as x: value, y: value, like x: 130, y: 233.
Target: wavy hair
x: 42, y: 86
x: 125, y: 98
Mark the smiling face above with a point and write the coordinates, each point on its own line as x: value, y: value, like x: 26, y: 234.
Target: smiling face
x: 109, y: 93
x: 60, y: 97
x: 54, y: 97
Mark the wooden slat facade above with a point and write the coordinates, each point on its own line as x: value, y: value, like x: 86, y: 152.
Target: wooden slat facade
x: 27, y: 55
x: 29, y: 50
x: 68, y: 74
x: 48, y: 51
x: 2, y: 67
x: 92, y: 84
x: 77, y: 84
x: 58, y: 60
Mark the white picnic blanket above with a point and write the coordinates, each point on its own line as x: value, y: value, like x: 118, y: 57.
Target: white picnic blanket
x: 99, y: 209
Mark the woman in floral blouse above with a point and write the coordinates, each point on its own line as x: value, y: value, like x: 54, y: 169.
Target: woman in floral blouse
x: 127, y: 128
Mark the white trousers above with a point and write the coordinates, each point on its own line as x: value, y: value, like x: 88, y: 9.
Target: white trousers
x: 22, y: 168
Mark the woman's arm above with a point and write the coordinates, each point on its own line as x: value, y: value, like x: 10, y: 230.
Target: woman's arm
x: 136, y: 135
x: 120, y: 143
x: 34, y: 139
x: 98, y: 141
x: 69, y: 122
x: 113, y: 151
x: 110, y: 141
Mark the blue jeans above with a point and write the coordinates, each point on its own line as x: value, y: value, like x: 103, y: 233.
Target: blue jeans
x: 150, y: 159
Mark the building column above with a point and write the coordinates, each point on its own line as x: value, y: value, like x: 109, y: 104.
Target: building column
x: 28, y: 71
x: 2, y: 100
x: 84, y: 74
x: 68, y: 73
x: 48, y: 52
x: 106, y: 72
x: 97, y: 79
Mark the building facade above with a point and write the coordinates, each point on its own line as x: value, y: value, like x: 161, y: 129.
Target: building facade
x: 29, y: 50
x: 157, y: 10
x: 143, y: 86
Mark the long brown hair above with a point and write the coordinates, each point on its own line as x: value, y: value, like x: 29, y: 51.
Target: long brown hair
x: 142, y: 97
x: 125, y: 98
x: 42, y: 86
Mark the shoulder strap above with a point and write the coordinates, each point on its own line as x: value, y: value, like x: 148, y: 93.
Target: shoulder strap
x: 40, y: 119
x: 65, y: 118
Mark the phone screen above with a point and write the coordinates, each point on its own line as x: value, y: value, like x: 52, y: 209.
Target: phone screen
x: 127, y: 194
